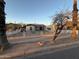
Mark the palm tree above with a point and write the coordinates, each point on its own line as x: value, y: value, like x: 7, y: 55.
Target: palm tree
x: 3, y: 39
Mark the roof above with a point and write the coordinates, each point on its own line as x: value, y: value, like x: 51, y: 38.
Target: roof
x: 35, y: 25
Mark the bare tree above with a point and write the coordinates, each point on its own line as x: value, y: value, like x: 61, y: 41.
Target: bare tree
x: 60, y: 21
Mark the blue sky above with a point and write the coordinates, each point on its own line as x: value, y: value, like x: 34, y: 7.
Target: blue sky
x: 34, y: 11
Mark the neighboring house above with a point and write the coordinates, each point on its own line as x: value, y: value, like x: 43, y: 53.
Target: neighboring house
x: 12, y: 26
x: 50, y: 29
x: 35, y: 27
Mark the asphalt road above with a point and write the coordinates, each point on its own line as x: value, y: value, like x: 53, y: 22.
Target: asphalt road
x: 69, y: 53
x: 72, y: 53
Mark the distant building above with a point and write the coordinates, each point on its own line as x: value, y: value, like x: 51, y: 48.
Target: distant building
x: 35, y: 27
x: 51, y: 27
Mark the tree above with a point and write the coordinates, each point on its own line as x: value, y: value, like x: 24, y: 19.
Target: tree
x: 59, y: 17
x: 3, y: 39
x: 60, y: 20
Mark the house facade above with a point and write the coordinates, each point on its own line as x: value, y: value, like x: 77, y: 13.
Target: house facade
x: 35, y: 27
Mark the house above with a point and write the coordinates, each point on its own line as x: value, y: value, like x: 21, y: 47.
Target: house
x: 35, y: 27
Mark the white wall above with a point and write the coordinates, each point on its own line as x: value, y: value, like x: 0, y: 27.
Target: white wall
x: 28, y: 28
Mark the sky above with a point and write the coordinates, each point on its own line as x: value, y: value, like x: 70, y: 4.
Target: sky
x: 34, y: 11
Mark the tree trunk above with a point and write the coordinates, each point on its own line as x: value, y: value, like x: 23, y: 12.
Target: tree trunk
x: 3, y: 39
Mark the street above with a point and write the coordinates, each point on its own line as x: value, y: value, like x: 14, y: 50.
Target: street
x: 30, y: 49
x: 71, y: 53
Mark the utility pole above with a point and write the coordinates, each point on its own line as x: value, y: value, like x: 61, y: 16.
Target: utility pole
x: 75, y: 13
x: 3, y: 39
x: 74, y: 20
